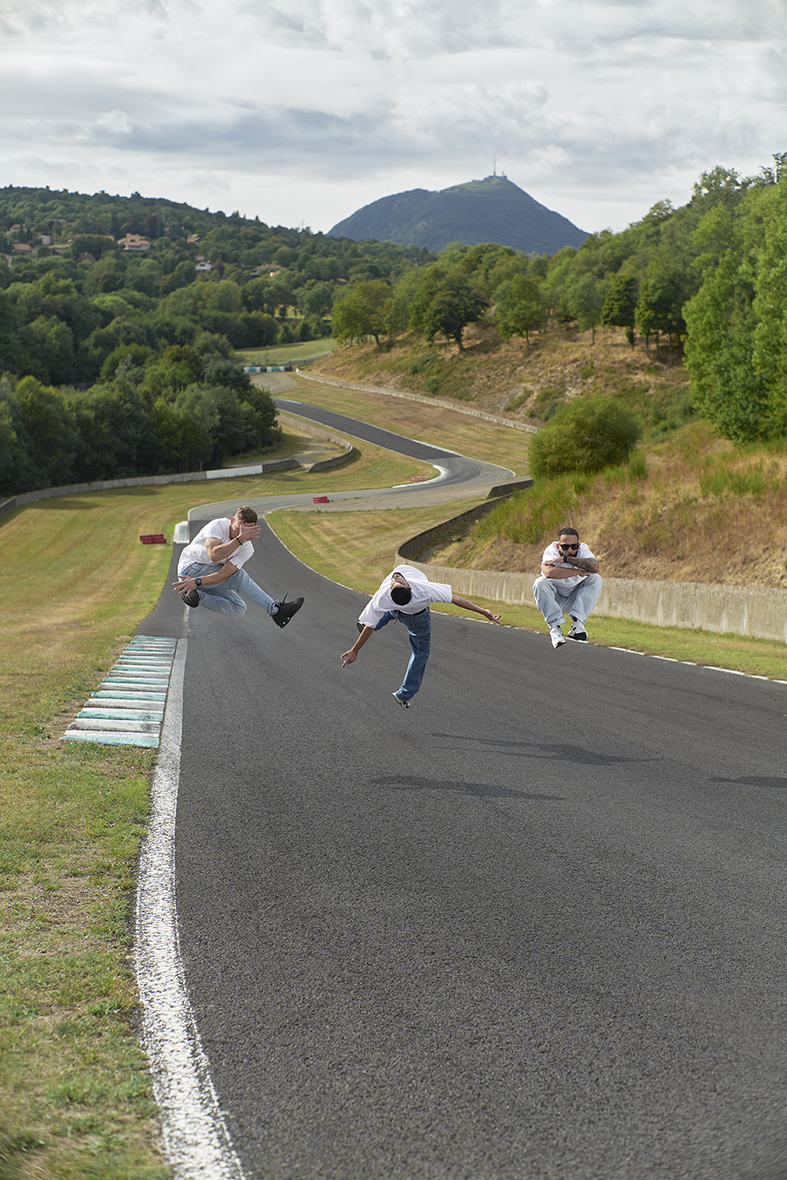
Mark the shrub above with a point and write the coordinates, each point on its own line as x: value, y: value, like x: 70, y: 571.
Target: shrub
x: 584, y: 435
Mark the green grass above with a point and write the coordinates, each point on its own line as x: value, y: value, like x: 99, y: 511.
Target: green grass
x: 77, y: 1095
x: 287, y: 354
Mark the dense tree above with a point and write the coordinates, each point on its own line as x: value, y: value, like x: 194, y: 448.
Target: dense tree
x: 770, y: 309
x: 445, y: 304
x: 586, y: 303
x: 663, y: 293
x: 361, y: 310
x: 721, y: 323
x: 50, y: 433
x: 520, y: 306
x: 620, y: 305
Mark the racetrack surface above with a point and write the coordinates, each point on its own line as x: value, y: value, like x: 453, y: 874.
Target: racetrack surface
x: 532, y: 927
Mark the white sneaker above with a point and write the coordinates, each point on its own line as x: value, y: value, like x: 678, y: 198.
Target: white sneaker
x: 578, y: 631
x: 557, y: 636
x: 399, y: 701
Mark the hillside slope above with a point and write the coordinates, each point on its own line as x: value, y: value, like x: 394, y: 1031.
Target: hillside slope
x: 705, y: 510
x: 490, y: 210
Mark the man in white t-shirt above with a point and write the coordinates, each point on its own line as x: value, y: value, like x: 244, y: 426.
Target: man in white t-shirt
x: 211, y: 574
x: 405, y: 595
x: 569, y: 585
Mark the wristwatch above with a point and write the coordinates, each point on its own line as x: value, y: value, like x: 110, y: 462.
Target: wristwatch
x: 198, y: 581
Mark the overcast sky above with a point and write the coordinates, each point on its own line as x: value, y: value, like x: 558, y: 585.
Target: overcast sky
x: 302, y: 111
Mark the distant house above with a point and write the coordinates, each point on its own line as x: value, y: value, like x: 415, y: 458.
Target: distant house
x: 192, y: 238
x: 22, y: 248
x: 203, y: 266
x: 267, y: 268
x: 134, y: 244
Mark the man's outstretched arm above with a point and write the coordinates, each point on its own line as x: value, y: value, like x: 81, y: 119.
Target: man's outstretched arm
x: 466, y: 604
x: 349, y: 657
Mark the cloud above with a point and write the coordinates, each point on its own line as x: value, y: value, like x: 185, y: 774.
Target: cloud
x: 598, y: 108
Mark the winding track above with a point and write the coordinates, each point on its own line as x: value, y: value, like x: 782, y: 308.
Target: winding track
x: 532, y: 928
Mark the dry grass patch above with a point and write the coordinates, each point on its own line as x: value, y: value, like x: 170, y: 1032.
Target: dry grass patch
x: 436, y: 425
x: 701, y: 511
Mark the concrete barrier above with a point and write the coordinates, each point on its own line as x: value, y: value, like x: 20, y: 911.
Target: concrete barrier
x: 758, y: 611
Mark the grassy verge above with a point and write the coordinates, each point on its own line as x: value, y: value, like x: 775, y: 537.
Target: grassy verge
x: 368, y: 542
x: 77, y: 1096
x: 287, y: 354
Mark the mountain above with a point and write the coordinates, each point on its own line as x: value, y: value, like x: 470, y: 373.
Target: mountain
x: 491, y: 210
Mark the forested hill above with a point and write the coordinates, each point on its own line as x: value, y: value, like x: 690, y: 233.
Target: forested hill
x: 119, y: 318
x: 490, y: 210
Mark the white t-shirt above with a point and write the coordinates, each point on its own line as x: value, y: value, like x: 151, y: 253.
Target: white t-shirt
x: 567, y: 584
x: 423, y: 592
x: 196, y: 552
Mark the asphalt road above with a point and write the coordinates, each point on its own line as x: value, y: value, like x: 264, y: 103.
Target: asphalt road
x: 532, y: 927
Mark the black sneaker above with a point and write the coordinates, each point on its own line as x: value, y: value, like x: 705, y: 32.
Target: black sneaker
x: 191, y: 598
x: 286, y: 611
x: 399, y: 701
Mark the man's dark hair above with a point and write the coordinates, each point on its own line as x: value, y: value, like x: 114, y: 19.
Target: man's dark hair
x: 401, y: 595
x: 246, y: 514
x: 568, y: 531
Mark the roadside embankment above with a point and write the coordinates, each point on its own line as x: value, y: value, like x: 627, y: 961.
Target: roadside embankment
x: 755, y: 611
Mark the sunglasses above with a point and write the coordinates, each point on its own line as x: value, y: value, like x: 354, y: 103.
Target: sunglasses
x: 560, y: 545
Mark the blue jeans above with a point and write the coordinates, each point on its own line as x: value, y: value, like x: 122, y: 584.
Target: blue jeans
x: 225, y: 598
x: 579, y: 603
x: 419, y: 628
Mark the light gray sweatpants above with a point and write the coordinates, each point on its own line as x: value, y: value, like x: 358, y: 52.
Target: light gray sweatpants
x: 578, y: 603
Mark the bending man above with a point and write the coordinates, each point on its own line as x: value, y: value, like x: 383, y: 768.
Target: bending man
x: 210, y: 570
x: 405, y: 595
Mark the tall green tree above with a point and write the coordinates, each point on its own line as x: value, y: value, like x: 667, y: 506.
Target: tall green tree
x: 586, y: 302
x: 51, y: 433
x: 360, y: 310
x: 620, y: 305
x: 446, y: 304
x: 520, y: 307
x: 721, y: 323
x: 770, y: 308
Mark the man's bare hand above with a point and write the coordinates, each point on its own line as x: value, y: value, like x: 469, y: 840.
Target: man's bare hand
x: 248, y: 532
x: 349, y: 657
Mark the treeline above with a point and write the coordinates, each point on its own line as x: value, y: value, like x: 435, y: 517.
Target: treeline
x: 182, y: 413
x: 708, y: 280
x: 116, y: 362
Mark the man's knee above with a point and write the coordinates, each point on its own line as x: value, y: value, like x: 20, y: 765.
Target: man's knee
x: 544, y: 589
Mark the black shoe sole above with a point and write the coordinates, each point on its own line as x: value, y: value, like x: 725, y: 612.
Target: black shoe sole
x: 190, y: 598
x: 291, y: 608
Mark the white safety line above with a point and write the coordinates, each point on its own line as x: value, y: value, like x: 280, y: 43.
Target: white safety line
x: 196, y: 1140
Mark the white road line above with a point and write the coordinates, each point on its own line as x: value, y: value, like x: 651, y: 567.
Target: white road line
x: 196, y: 1139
